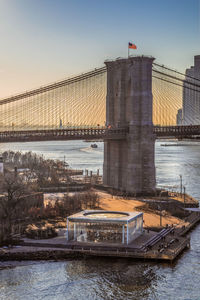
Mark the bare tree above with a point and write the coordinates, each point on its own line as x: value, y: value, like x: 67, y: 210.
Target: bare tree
x: 47, y: 171
x: 11, y: 208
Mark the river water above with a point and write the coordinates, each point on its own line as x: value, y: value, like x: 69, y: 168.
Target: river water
x: 116, y: 279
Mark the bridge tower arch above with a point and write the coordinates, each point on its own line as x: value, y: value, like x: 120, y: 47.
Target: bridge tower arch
x: 129, y: 164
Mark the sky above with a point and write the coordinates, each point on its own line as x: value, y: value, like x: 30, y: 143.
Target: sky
x: 43, y: 41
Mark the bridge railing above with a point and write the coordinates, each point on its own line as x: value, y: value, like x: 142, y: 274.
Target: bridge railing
x: 177, y: 131
x: 64, y: 134
x: 94, y: 133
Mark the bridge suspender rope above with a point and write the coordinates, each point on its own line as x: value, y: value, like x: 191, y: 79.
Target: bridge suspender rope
x: 173, y: 91
x: 77, y: 101
x: 80, y: 101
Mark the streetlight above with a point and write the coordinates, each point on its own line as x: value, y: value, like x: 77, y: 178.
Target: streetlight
x: 184, y: 195
x: 181, y: 184
x: 159, y: 207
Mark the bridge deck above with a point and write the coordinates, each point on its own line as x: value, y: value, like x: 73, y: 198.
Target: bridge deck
x: 62, y: 134
x: 186, y: 131
x: 182, y: 131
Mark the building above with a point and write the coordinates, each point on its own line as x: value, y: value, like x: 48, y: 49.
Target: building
x: 191, y: 94
x: 108, y: 227
x: 179, y: 117
x: 1, y: 164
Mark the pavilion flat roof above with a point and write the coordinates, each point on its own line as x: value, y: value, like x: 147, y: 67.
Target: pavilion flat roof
x: 104, y: 216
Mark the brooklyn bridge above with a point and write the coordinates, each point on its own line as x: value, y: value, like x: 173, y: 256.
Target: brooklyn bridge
x: 128, y: 103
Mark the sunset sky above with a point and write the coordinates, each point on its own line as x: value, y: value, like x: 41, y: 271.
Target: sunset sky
x: 46, y: 40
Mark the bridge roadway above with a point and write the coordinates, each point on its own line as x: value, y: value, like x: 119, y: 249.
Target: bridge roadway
x: 179, y: 132
x: 96, y: 133
x: 62, y: 134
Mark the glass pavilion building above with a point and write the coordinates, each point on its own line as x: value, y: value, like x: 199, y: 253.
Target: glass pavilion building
x: 99, y: 226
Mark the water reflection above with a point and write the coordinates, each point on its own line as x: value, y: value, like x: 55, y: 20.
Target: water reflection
x: 122, y: 277
x: 80, y: 279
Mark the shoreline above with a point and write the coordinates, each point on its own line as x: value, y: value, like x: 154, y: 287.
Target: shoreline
x: 39, y: 254
x: 157, y: 243
x: 57, y: 252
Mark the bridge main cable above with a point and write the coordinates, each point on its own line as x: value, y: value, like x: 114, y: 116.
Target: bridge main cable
x: 175, y: 71
x: 53, y: 86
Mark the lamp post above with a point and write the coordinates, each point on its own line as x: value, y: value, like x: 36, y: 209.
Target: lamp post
x: 160, y: 215
x: 161, y: 218
x: 184, y: 195
x: 181, y: 184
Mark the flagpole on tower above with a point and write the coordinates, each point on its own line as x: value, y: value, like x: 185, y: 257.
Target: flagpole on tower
x: 131, y: 46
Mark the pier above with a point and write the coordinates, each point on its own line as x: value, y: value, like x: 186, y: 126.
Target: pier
x: 165, y: 245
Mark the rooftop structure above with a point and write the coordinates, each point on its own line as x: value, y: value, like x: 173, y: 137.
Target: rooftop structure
x: 99, y: 226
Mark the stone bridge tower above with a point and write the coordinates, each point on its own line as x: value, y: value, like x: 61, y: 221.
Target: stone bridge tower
x: 129, y: 164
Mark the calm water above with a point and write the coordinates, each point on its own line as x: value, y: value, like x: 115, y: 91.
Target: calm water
x: 111, y: 278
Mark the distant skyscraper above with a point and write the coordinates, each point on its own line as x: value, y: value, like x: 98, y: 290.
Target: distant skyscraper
x: 191, y: 95
x: 1, y: 164
x: 179, y: 117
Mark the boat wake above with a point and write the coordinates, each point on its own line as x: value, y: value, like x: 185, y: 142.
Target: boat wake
x: 90, y: 150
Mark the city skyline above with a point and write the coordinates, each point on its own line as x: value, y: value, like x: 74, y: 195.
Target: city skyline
x: 47, y: 41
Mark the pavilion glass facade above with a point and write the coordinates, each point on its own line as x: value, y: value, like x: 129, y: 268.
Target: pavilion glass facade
x: 107, y: 227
